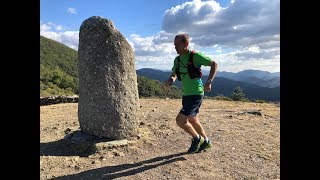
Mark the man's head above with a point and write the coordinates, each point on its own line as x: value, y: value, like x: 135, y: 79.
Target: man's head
x: 181, y: 42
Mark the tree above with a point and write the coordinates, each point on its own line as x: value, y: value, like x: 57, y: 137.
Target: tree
x: 238, y: 94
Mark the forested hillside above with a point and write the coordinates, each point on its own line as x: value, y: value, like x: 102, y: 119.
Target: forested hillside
x: 58, y: 68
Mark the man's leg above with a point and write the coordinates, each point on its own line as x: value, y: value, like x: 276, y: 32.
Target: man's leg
x: 197, y: 140
x: 197, y: 126
x: 182, y: 122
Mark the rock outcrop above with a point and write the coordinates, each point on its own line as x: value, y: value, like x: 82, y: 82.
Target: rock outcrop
x: 108, y: 91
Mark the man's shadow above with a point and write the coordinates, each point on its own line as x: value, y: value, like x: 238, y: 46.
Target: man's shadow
x: 111, y: 172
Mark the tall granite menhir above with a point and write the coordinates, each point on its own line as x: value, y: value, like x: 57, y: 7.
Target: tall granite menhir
x: 108, y: 91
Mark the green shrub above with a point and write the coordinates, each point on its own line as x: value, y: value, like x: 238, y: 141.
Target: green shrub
x: 222, y: 98
x: 238, y: 94
x: 260, y: 101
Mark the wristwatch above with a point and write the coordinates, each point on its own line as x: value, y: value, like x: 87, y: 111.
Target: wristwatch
x: 209, y: 81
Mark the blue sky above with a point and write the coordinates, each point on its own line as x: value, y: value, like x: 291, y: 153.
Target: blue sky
x: 237, y: 34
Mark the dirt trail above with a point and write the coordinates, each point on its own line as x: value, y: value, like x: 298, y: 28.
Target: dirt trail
x: 246, y: 145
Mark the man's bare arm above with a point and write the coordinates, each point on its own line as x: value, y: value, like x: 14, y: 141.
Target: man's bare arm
x: 212, y: 74
x: 213, y: 71
x: 171, y: 79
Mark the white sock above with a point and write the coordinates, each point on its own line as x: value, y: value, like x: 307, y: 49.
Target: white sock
x: 198, y: 137
x: 207, y: 139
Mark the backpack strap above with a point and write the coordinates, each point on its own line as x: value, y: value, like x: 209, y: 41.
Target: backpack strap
x: 177, y: 70
x: 193, y: 68
x: 191, y: 57
x: 178, y: 64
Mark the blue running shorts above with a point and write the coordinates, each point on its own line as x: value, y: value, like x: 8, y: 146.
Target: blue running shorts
x: 191, y: 105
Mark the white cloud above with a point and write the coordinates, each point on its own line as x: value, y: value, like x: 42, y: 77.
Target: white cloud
x: 160, y: 62
x: 209, y: 24
x: 72, y: 10
x: 59, y: 28
x: 218, y: 50
x: 151, y: 46
x: 189, y: 15
x: 45, y: 27
x: 231, y: 63
x: 50, y: 26
x: 250, y: 28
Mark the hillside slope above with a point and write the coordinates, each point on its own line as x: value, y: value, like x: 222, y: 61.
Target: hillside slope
x: 58, y: 68
x: 55, y: 54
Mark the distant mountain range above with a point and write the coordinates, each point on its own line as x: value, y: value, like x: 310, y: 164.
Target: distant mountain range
x: 257, y: 77
x: 224, y: 86
x: 260, y: 78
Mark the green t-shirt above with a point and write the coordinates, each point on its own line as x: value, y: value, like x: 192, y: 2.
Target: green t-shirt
x: 191, y: 86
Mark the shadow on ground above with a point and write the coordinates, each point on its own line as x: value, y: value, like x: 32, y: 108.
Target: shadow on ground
x: 111, y: 172
x: 65, y: 148
x: 77, y: 143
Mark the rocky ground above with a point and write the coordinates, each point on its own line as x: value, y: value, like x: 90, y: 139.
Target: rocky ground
x: 245, y: 135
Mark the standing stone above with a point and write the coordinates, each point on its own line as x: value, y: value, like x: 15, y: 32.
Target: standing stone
x: 108, y: 90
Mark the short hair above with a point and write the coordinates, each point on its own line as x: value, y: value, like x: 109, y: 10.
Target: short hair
x: 184, y: 37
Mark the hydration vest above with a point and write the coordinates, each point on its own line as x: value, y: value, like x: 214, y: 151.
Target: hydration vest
x: 192, y: 70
